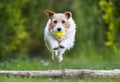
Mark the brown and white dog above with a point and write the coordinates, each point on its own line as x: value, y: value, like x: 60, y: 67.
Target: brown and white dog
x: 59, y: 22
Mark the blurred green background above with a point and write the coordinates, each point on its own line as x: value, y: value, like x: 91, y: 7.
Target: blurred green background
x: 22, y: 47
x: 22, y: 24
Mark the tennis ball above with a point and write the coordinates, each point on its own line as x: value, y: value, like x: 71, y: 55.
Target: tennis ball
x: 59, y: 34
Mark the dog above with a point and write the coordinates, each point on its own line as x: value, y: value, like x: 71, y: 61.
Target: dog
x: 59, y: 22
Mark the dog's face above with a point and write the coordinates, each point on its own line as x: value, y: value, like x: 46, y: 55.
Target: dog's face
x: 58, y: 21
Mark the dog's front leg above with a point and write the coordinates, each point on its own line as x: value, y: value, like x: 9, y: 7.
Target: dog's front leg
x: 60, y: 54
x: 62, y: 47
x: 57, y: 51
x: 65, y: 44
x: 54, y: 49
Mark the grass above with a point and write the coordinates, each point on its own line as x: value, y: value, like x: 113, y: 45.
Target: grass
x: 30, y: 79
x: 71, y: 63
x: 78, y: 61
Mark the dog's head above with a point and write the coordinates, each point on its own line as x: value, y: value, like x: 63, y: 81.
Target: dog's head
x: 59, y: 22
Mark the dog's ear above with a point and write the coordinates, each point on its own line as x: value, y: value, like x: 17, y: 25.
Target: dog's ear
x: 68, y: 14
x: 49, y: 13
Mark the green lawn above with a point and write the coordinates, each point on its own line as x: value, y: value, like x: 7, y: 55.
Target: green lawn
x: 13, y: 79
x: 82, y: 61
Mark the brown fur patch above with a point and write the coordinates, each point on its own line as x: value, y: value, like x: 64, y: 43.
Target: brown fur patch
x: 66, y: 25
x: 51, y: 25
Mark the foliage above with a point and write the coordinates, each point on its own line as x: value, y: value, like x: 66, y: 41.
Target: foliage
x: 116, y: 16
x: 108, y: 6
x: 22, y: 25
x: 90, y: 27
x: 33, y: 11
x: 12, y: 31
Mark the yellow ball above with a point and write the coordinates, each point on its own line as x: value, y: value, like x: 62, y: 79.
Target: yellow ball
x: 59, y: 34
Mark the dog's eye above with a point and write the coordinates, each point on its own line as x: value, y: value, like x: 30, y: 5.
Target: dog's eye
x: 55, y: 21
x: 63, y: 21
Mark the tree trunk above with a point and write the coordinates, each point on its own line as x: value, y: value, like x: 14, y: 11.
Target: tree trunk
x: 68, y: 73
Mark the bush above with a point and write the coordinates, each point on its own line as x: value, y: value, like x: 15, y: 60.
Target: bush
x: 12, y: 31
x: 112, y: 20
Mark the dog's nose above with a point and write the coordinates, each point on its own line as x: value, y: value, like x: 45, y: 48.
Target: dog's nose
x: 59, y: 29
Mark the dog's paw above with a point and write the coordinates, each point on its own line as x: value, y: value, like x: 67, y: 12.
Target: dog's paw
x: 61, y: 46
x: 58, y: 58
x: 56, y: 48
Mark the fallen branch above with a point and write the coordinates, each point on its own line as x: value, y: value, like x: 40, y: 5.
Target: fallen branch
x: 65, y: 73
